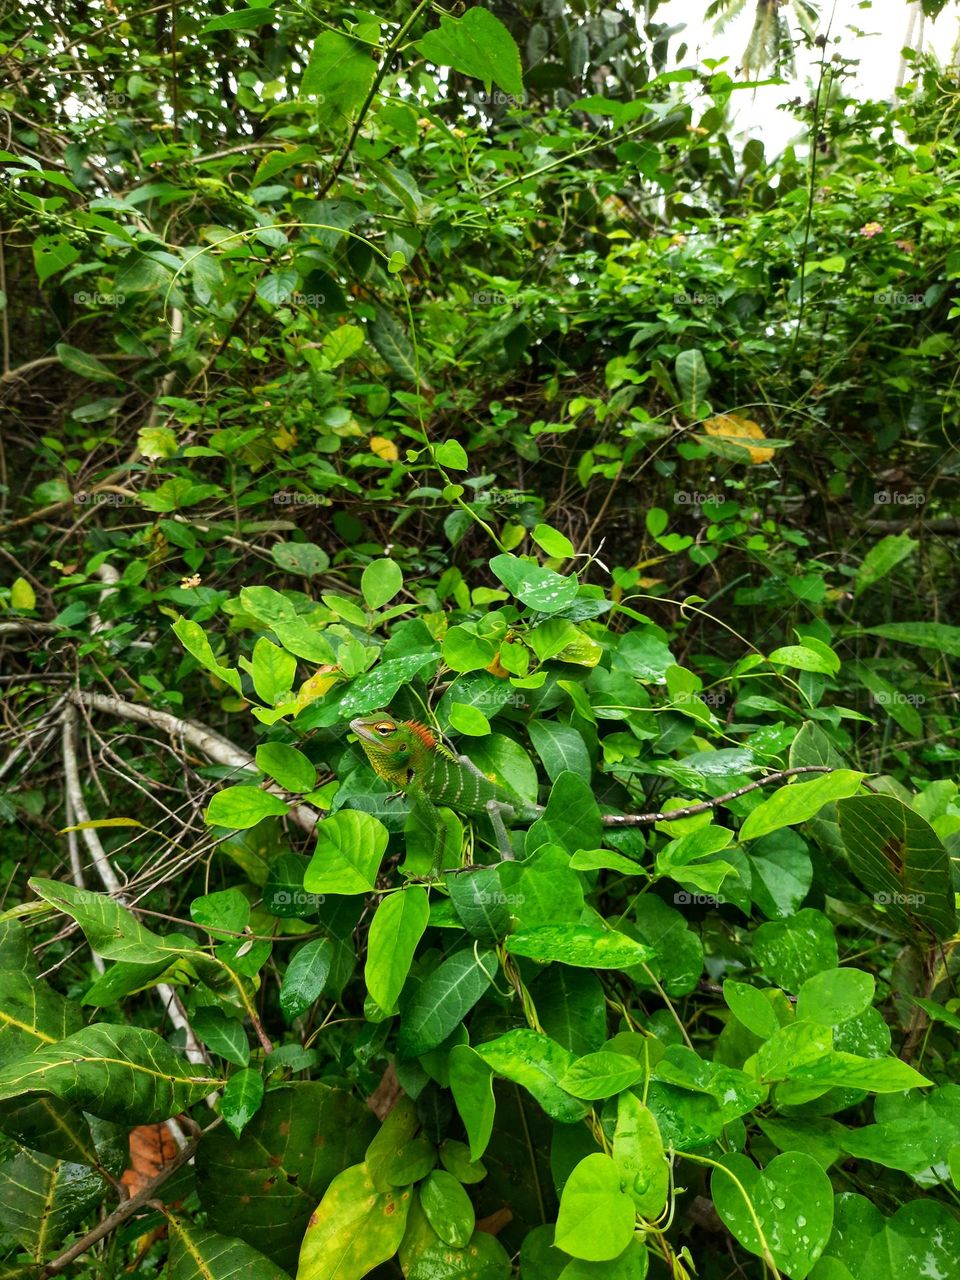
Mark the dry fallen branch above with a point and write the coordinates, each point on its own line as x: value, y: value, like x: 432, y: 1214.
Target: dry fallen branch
x: 215, y: 747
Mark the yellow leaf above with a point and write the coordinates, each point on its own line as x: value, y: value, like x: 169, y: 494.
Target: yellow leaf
x: 22, y: 596
x: 384, y: 448
x: 738, y: 430
x: 285, y: 438
x: 314, y: 687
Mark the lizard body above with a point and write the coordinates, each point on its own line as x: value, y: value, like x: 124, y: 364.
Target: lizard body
x: 408, y: 756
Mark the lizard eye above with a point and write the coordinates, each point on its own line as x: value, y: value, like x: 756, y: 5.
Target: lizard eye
x: 384, y: 729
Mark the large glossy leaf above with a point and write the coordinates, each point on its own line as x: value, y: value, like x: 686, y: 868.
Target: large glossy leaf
x: 791, y: 1198
x: 539, y: 1065
x: 111, y: 930
x: 444, y: 999
x: 264, y: 1186
x: 478, y: 45
x: 42, y: 1198
x: 122, y: 1073
x: 196, y: 1253
x: 899, y: 858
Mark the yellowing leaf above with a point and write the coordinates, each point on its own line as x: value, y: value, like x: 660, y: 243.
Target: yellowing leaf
x: 22, y: 596
x: 314, y: 687
x: 384, y: 448
x: 285, y: 438
x: 731, y: 426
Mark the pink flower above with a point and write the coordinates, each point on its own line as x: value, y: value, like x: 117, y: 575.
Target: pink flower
x: 871, y: 229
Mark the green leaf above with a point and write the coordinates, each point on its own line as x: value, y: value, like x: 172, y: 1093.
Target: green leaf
x: 350, y: 846
x: 798, y: 801
x: 221, y: 1034
x: 83, y: 364
x: 632, y: 1264
x: 273, y: 671
x: 340, y: 344
x: 399, y: 924
x: 277, y: 286
x: 242, y: 807
x: 882, y: 558
x: 693, y: 379
x: 468, y: 720
x: 353, y: 1229
x: 540, y: 588
x: 835, y: 995
x: 601, y: 1075
x: 226, y: 909
x: 448, y: 1208
x: 444, y: 999
x: 464, y: 650
x: 111, y: 930
x: 196, y: 1253
x: 191, y: 636
x: 288, y: 766
x: 926, y: 635
x: 304, y: 558
x: 553, y: 542
x: 638, y: 1151
x: 898, y: 857
x: 805, y: 658
x: 538, y: 1064
x: 561, y: 748
x: 579, y: 945
x: 121, y: 1073
x: 52, y: 254
x: 305, y: 977
x: 381, y: 581
x: 390, y: 340
x: 921, y: 1239
x: 791, y: 951
x: 571, y: 818
x: 596, y: 1218
x: 478, y: 45
x: 341, y: 72
x: 451, y: 455
x: 752, y: 1007
x: 471, y: 1083
x: 239, y: 20
x: 792, y: 1197
x: 241, y: 1099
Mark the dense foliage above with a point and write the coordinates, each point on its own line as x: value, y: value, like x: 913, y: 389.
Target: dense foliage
x: 468, y: 365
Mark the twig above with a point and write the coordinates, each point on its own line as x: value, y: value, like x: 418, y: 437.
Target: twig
x: 219, y: 749
x: 639, y: 819
x: 388, y: 56
x: 126, y: 1209
x: 76, y: 807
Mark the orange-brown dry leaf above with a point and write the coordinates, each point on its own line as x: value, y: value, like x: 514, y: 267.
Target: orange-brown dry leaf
x: 152, y: 1148
x: 731, y: 426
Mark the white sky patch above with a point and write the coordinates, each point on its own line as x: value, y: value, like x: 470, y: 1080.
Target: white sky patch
x: 885, y: 26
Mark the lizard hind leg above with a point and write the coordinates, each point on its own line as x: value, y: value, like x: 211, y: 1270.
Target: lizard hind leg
x: 495, y: 810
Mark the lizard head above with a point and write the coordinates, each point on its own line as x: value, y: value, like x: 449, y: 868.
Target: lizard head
x: 395, y: 748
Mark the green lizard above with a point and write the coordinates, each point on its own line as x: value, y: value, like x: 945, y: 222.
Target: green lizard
x: 409, y: 757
